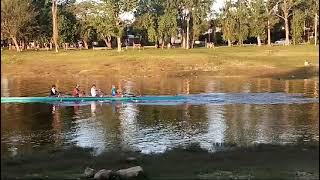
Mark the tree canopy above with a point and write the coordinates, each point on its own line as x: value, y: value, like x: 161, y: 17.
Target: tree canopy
x: 156, y: 21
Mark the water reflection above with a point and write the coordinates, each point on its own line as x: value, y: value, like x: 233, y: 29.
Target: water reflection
x: 215, y: 135
x: 93, y: 106
x: 156, y: 128
x: 56, y: 124
x: 5, y: 86
x: 162, y: 86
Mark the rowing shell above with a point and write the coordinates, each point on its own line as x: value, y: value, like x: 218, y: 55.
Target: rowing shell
x: 82, y: 99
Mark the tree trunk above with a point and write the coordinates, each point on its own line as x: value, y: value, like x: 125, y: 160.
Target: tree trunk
x: 192, y: 42
x: 315, y: 28
x: 119, y: 43
x: 109, y: 42
x: 168, y: 45
x: 15, y: 43
x: 183, y: 43
x: 188, y: 34
x: 229, y: 43
x: 269, y: 33
x: 55, y: 24
x: 259, y: 41
x: 162, y: 46
x: 23, y: 46
x: 106, y: 42
x: 286, y: 21
x: 85, y: 43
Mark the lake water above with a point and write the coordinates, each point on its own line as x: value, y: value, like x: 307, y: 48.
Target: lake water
x: 220, y: 112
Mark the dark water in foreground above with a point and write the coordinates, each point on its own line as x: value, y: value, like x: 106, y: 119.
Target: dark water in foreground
x: 280, y: 113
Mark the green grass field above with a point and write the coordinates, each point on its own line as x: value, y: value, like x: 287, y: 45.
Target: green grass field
x: 221, y: 59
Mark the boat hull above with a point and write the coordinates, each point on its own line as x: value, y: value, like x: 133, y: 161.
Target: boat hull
x: 82, y: 99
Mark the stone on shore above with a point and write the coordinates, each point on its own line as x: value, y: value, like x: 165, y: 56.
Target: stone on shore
x: 88, y: 172
x: 130, y: 172
x: 103, y: 174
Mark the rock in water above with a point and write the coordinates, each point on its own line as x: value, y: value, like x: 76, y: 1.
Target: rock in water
x: 131, y: 159
x: 103, y: 174
x: 130, y: 172
x: 88, y: 172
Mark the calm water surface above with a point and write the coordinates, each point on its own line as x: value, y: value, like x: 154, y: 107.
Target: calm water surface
x: 155, y: 128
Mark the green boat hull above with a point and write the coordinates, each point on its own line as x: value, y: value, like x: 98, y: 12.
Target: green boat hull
x: 83, y: 99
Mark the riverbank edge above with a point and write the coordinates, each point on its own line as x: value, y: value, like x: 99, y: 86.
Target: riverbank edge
x: 261, y: 161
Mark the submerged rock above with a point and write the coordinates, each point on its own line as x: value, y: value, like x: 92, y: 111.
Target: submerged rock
x: 88, y: 172
x: 103, y: 174
x: 131, y: 159
x: 130, y: 172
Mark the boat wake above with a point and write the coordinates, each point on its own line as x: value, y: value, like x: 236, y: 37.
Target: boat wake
x: 213, y: 98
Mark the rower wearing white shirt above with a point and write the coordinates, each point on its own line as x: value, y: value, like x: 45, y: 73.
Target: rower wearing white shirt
x: 93, y: 91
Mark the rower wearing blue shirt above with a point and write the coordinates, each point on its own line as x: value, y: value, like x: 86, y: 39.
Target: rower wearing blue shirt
x: 113, y: 91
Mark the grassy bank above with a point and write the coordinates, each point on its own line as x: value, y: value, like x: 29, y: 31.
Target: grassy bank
x: 258, y: 162
x: 277, y: 62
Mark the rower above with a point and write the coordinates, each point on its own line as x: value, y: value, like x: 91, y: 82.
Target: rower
x: 119, y: 93
x: 100, y: 93
x: 53, y: 91
x: 113, y: 91
x: 93, y: 91
x: 76, y: 91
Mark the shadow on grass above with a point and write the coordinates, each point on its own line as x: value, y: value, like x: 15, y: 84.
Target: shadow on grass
x: 306, y: 72
x: 254, y: 162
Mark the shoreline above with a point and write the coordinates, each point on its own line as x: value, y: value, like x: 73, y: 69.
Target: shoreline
x: 251, y: 62
x: 256, y: 162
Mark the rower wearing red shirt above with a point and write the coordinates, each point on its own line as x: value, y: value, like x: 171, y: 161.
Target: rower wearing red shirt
x: 76, y: 91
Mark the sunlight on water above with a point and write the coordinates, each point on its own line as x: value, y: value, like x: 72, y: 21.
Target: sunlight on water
x: 216, y: 113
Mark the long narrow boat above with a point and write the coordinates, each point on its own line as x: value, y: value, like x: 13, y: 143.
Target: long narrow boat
x: 82, y: 99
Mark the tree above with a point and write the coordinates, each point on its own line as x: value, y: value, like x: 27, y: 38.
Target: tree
x: 168, y: 26
x: 199, y: 13
x: 228, y: 22
x: 117, y: 10
x: 271, y: 18
x: 148, y: 15
x: 258, y: 19
x: 314, y: 7
x: 84, y: 14
x: 103, y: 23
x: 149, y: 22
x: 55, y: 34
x: 297, y: 26
x: 67, y: 26
x: 242, y: 25
x: 42, y: 30
x: 286, y: 7
x: 15, y: 15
